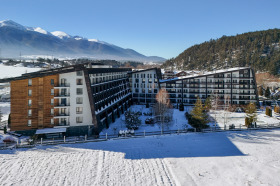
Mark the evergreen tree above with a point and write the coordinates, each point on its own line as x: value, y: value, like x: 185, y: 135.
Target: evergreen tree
x: 132, y: 120
x: 198, y: 117
x: 267, y: 92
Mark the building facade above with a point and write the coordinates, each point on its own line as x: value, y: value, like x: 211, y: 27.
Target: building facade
x: 144, y: 85
x: 86, y: 98
x: 82, y: 98
x: 236, y: 85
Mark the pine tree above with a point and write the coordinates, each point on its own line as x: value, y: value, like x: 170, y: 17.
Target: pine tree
x: 198, y: 117
x: 251, y: 114
x: 132, y: 120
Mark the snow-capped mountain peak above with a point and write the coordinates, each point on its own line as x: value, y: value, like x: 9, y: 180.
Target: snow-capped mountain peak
x: 61, y: 35
x: 40, y: 30
x: 10, y: 23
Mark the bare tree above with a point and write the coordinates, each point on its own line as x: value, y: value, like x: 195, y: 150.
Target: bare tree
x: 163, y: 108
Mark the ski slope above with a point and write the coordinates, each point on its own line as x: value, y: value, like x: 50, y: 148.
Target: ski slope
x: 227, y: 158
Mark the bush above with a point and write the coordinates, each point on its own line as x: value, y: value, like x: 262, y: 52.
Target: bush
x: 181, y: 107
x: 147, y: 105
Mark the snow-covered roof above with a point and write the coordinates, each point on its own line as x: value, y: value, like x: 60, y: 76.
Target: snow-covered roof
x: 50, y: 130
x: 204, y: 74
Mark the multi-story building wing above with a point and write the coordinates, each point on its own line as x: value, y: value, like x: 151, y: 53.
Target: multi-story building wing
x: 111, y: 93
x: 80, y: 98
x: 144, y: 85
x: 237, y: 85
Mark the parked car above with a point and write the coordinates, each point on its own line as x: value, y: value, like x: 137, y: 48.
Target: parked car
x: 149, y: 121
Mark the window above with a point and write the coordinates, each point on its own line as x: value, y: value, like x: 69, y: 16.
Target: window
x: 29, y: 102
x: 52, y: 122
x: 52, y: 101
x: 29, y: 112
x: 79, y: 73
x: 79, y: 110
x: 79, y: 119
x: 52, y: 81
x: 29, y: 92
x: 63, y: 111
x: 52, y: 111
x: 79, y: 100
x: 29, y: 123
x: 52, y: 91
x: 79, y: 81
x: 29, y: 82
x: 63, y: 82
x: 79, y: 91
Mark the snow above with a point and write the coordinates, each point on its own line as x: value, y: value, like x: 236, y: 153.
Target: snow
x: 179, y: 122
x: 5, y: 108
x: 238, y: 119
x: 203, y: 73
x: 227, y: 158
x: 11, y: 71
x: 10, y: 23
x: 40, y: 30
x: 60, y: 34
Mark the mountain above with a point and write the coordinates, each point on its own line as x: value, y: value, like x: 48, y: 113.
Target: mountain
x: 260, y: 50
x: 16, y: 39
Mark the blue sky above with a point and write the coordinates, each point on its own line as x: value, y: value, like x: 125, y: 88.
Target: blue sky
x: 152, y: 27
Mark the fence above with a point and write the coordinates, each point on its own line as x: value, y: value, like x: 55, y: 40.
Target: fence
x: 98, y: 138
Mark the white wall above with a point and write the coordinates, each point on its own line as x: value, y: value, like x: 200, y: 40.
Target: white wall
x: 87, y: 117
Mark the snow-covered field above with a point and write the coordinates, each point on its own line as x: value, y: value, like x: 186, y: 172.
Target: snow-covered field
x: 228, y: 158
x: 12, y: 71
x: 179, y: 122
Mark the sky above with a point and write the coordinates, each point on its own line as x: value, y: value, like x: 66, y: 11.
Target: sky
x: 162, y: 28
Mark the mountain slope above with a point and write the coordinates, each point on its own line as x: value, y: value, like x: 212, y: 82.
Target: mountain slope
x: 260, y: 49
x: 16, y: 39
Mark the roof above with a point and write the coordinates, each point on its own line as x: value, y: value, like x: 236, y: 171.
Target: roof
x: 45, y: 73
x: 137, y: 71
x: 50, y: 130
x: 205, y: 74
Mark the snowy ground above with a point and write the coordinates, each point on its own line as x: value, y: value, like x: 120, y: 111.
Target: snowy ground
x: 12, y: 71
x: 179, y: 122
x: 5, y: 108
x: 228, y: 158
x: 229, y: 118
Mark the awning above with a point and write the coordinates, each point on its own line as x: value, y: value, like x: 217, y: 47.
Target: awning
x: 50, y: 130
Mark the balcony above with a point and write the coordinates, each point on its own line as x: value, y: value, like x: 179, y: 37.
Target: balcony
x: 62, y: 95
x: 61, y: 105
x: 62, y: 115
x: 63, y: 124
x: 63, y: 85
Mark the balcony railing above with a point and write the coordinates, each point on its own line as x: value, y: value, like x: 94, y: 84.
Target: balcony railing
x: 62, y: 95
x: 62, y: 105
x: 63, y: 124
x: 62, y: 115
x: 62, y: 85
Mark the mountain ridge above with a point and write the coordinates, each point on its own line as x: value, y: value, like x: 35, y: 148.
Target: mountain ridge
x: 16, y: 39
